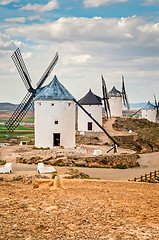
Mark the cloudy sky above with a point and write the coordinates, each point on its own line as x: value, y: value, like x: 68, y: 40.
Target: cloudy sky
x: 92, y: 37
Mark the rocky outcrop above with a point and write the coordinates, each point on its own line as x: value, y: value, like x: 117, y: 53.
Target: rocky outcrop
x: 61, y: 159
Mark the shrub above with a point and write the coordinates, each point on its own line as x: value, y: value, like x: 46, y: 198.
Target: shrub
x: 54, y: 175
x: 121, y: 166
x: 104, y: 161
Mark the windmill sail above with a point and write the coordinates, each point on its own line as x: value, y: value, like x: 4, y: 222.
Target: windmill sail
x: 156, y: 105
x: 124, y: 95
x: 48, y: 71
x: 105, y: 98
x: 23, y: 72
x: 20, y: 112
x: 26, y: 103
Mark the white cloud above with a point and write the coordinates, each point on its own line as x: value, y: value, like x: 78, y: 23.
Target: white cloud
x: 27, y: 55
x: 150, y: 2
x: 51, y: 5
x: 96, y: 29
x: 89, y: 47
x: 97, y: 3
x: 6, y: 2
x: 21, y: 19
x: 18, y: 19
x: 77, y: 59
x: 6, y: 44
x: 32, y: 18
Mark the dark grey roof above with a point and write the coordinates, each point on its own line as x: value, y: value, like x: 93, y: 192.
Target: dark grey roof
x: 54, y: 91
x: 149, y: 106
x: 90, y: 99
x: 114, y: 93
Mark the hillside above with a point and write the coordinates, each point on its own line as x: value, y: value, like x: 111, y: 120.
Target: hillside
x: 8, y: 106
x: 148, y: 134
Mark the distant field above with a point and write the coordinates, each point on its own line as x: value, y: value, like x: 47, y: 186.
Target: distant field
x: 5, y: 115
x: 25, y: 133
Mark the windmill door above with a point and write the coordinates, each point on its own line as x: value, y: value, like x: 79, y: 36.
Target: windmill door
x: 56, y: 139
x: 89, y: 125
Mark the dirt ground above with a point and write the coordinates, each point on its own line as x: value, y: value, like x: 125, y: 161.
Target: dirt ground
x: 84, y: 209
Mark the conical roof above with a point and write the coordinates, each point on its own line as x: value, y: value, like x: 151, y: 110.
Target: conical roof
x: 54, y: 91
x: 90, y: 99
x: 149, y: 106
x: 114, y: 93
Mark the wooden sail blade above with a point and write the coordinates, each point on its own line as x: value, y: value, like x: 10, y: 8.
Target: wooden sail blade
x: 105, y: 98
x: 21, y: 67
x: 124, y: 95
x: 20, y: 112
x: 156, y: 105
x: 48, y: 71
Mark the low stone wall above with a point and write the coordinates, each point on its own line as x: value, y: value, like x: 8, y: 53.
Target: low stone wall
x: 109, y: 161
x: 126, y: 138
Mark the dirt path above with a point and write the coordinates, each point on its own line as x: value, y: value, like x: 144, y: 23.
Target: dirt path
x: 149, y: 162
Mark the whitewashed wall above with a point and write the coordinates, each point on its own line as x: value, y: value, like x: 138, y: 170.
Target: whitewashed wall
x: 83, y: 119
x: 46, y: 113
x: 115, y: 106
x: 149, y: 114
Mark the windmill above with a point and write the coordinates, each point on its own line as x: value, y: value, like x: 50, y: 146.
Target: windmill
x: 26, y: 103
x: 115, y: 144
x: 149, y: 111
x: 113, y: 100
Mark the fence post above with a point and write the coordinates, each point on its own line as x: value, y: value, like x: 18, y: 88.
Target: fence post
x: 145, y: 177
x: 155, y: 174
x: 135, y: 179
x: 141, y: 178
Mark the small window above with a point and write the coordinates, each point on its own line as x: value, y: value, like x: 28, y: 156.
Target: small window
x: 39, y: 103
x: 52, y: 104
x: 56, y: 122
x: 69, y: 104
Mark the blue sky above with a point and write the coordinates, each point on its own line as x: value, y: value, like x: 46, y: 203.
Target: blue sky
x: 93, y: 37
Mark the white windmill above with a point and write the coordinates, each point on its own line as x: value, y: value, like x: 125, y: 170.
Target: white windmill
x: 93, y: 104
x: 149, y: 112
x: 54, y: 116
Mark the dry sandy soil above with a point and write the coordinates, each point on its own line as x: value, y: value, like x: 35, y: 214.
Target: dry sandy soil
x: 84, y: 209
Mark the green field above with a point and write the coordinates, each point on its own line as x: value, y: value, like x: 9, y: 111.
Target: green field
x: 21, y: 133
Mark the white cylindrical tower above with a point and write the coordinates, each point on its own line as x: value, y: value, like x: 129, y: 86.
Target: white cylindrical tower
x: 115, y: 102
x: 149, y: 112
x: 54, y: 117
x: 92, y: 103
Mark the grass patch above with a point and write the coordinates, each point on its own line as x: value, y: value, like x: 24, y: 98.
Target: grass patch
x: 41, y: 148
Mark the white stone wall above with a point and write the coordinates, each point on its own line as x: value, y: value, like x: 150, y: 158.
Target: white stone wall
x: 149, y: 114
x: 46, y: 113
x: 115, y: 106
x: 83, y: 118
